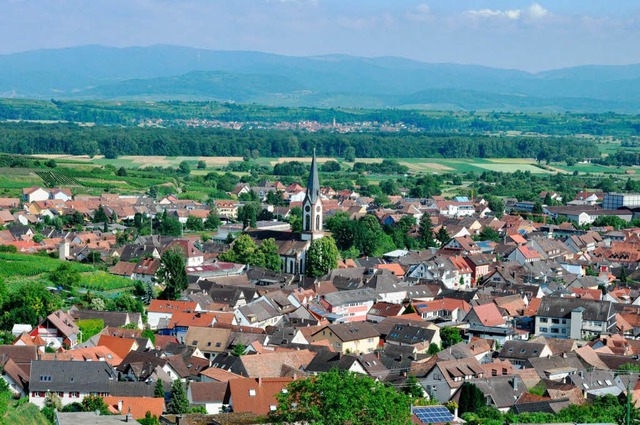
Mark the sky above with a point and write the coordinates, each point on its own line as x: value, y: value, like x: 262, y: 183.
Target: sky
x: 528, y: 35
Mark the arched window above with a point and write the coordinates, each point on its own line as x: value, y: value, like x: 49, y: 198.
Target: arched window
x: 318, y: 222
x: 307, y: 224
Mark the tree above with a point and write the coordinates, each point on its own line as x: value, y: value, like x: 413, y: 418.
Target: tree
x: 450, y: 336
x: 173, y: 274
x: 547, y: 199
x: 194, y: 223
x: 100, y: 215
x: 342, y: 397
x: 149, y: 419
x: 92, y: 403
x: 158, y: 391
x: 213, y: 220
x: 52, y: 400
x: 248, y: 214
x: 122, y: 172
x: 201, y: 165
x: 184, y: 168
x: 623, y: 275
x: 178, y: 402
x: 350, y: 154
x: 272, y: 259
x: 169, y: 225
x: 322, y: 257
x: 425, y: 230
x: 489, y: 234
x: 65, y: 276
x: 471, y: 398
x: 330, y: 167
x: 537, y: 208
x: 442, y: 236
x: 238, y: 350
x: 295, y: 219
x: 496, y: 205
x: 433, y: 349
x: 413, y: 388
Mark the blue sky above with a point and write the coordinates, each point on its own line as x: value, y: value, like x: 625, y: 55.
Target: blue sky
x: 530, y: 35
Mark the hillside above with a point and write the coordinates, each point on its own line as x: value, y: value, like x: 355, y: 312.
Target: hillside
x: 170, y: 72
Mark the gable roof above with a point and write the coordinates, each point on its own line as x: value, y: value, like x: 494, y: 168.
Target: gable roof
x: 207, y: 392
x: 352, y: 331
x: 136, y: 406
x: 164, y: 306
x: 120, y: 346
x: 208, y: 339
x: 55, y: 375
x: 256, y: 395
x: 275, y: 364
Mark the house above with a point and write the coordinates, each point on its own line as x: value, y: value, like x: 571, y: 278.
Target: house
x: 146, y: 270
x: 446, y: 309
x: 227, y: 209
x: 15, y: 364
x: 518, y: 352
x: 161, y: 309
x: 275, y: 364
x: 575, y: 318
x: 210, y: 395
x: 351, y: 337
x: 256, y: 395
x: 524, y: 254
x: 34, y: 194
x: 381, y: 310
x: 501, y: 392
x: 485, y: 315
x: 137, y: 407
x: 259, y: 313
x: 417, y: 337
x: 350, y: 306
x: 72, y: 381
x: 58, y: 330
x: 208, y: 340
x: 444, y: 379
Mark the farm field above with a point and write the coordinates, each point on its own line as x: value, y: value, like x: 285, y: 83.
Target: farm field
x: 20, y: 269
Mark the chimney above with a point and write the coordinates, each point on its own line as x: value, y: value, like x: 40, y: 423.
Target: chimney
x: 515, y: 383
x: 119, y: 406
x: 455, y: 413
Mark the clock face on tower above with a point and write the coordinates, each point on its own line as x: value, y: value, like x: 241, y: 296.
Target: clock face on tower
x: 318, y: 208
x: 307, y: 208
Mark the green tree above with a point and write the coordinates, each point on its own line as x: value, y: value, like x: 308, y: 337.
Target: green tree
x: 489, y: 234
x: 122, y: 172
x: 194, y: 223
x: 413, y: 388
x: 270, y: 254
x: 496, y: 205
x: 342, y: 397
x: 158, y: 391
x: 433, y: 349
x: 201, y: 165
x: 425, y: 230
x: 100, y: 216
x: 547, y: 199
x: 442, y: 236
x: 184, y: 168
x: 295, y: 219
x: 178, y: 402
x: 450, y: 336
x: 238, y: 350
x: 93, y: 403
x: 169, y: 225
x: 173, y: 274
x: 322, y: 257
x: 65, y: 276
x: 350, y: 154
x: 537, y: 208
x: 471, y: 399
x: 213, y: 220
x: 248, y: 214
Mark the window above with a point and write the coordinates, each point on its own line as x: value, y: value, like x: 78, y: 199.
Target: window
x: 564, y: 321
x: 252, y: 393
x: 544, y: 320
x: 543, y: 329
x: 554, y: 330
x: 555, y: 321
x: 272, y: 408
x: 564, y: 331
x: 74, y: 395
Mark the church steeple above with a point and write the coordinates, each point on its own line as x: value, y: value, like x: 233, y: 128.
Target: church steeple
x: 313, y: 185
x: 312, y: 205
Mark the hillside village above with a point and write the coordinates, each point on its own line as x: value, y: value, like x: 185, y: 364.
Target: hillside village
x: 540, y: 316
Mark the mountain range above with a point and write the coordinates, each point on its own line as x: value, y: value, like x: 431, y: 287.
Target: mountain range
x: 182, y: 73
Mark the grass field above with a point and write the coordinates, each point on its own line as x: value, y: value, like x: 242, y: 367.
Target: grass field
x: 19, y: 269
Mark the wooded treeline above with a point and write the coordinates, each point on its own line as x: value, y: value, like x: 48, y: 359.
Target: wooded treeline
x: 62, y: 138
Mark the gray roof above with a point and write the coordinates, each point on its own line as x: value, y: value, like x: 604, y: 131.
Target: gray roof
x: 562, y: 307
x: 407, y: 334
x: 353, y: 331
x: 54, y: 375
x: 87, y: 418
x: 313, y: 185
x: 521, y: 350
x: 353, y: 296
x: 502, y: 389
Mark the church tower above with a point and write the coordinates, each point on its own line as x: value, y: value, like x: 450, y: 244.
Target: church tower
x: 312, y: 206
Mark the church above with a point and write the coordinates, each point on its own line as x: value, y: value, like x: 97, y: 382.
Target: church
x: 293, y: 247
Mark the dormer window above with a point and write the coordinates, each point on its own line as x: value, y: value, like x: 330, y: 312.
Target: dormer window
x: 252, y: 393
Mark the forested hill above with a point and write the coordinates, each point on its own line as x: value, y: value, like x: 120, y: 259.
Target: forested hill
x: 32, y: 138
x: 170, y: 72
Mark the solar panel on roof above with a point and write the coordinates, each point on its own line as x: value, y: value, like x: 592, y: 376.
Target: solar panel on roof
x: 439, y: 414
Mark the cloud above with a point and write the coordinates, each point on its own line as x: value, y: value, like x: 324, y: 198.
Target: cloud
x: 422, y: 12
x: 512, y: 14
x: 534, y: 12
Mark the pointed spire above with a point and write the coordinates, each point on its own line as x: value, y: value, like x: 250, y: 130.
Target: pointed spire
x: 313, y: 185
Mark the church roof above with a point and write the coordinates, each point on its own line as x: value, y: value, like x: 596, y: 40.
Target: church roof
x: 313, y: 185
